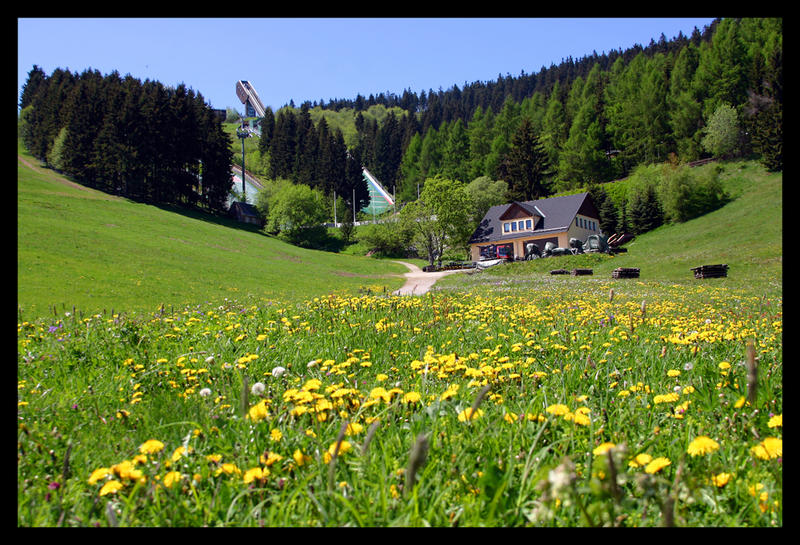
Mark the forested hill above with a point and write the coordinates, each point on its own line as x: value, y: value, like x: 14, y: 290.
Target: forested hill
x: 716, y: 93
x: 592, y: 119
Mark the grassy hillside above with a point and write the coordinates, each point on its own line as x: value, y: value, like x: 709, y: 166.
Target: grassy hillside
x: 746, y: 234
x: 77, y: 246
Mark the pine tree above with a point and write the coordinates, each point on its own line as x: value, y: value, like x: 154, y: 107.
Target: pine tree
x: 644, y: 211
x: 525, y: 167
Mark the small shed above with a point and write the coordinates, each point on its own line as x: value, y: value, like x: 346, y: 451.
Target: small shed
x: 245, y: 212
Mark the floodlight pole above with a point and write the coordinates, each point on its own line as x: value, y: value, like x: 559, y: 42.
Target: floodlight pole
x: 242, y: 134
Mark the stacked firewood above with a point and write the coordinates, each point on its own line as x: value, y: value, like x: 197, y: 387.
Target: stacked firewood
x: 581, y: 272
x: 559, y: 271
x: 710, y: 271
x: 625, y: 272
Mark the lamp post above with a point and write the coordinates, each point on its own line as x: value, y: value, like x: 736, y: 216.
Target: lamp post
x: 242, y: 133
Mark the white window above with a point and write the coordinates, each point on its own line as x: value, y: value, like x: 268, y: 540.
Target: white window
x: 528, y: 224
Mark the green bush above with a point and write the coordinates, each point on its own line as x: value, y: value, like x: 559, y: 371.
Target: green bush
x: 388, y: 239
x: 687, y: 193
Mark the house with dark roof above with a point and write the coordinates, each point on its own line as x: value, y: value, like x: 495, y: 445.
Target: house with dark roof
x: 245, y: 213
x: 506, y: 229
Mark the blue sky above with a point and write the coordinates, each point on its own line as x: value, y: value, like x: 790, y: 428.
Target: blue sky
x: 320, y: 59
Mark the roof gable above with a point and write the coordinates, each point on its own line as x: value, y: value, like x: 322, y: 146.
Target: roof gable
x: 556, y: 213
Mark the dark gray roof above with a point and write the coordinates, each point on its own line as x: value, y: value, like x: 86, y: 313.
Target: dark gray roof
x: 558, y: 213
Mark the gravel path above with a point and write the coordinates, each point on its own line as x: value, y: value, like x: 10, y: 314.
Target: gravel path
x: 419, y: 282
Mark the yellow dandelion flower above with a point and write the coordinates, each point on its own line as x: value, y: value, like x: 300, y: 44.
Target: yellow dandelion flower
x: 255, y: 473
x: 775, y: 421
x: 300, y: 458
x: 270, y: 458
x: 468, y: 414
x: 412, y: 397
x: 771, y: 447
x: 656, y: 465
x: 701, y: 445
x: 603, y: 448
x: 258, y: 411
x: 721, y: 479
x: 673, y: 373
x: 724, y: 365
x: 98, y: 474
x: 180, y: 452
x: 275, y: 434
x: 228, y: 469
x: 640, y: 460
x: 171, y: 478
x: 557, y: 409
x: 110, y: 487
x: 151, y: 446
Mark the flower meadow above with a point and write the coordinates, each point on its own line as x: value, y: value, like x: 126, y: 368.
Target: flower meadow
x: 613, y: 404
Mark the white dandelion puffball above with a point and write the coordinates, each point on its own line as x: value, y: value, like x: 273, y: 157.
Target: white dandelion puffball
x: 257, y: 389
x: 205, y: 392
x: 278, y: 371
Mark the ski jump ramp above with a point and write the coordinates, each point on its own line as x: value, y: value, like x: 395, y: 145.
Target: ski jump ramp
x: 252, y: 103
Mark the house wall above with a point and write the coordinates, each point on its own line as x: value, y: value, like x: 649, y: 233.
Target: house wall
x: 582, y: 229
x: 519, y: 243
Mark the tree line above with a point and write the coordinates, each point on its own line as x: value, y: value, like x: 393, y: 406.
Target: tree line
x: 591, y: 120
x: 138, y: 139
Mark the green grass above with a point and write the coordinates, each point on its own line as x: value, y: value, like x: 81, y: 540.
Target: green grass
x: 558, y: 368
x: 83, y: 248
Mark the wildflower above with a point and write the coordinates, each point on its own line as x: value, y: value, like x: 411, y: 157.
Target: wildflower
x: 214, y: 458
x: 724, y: 366
x: 771, y: 447
x: 775, y: 421
x: 412, y: 397
x: 151, y: 446
x: 278, y: 371
x: 255, y: 473
x: 603, y: 448
x: 205, y: 392
x: 228, y: 469
x: 110, y: 487
x: 344, y: 447
x: 561, y: 478
x: 300, y: 458
x: 640, y: 460
x: 258, y: 411
x: 180, y: 452
x: 557, y: 409
x: 380, y: 393
x: 468, y: 414
x: 98, y: 474
x: 257, y: 389
x: 701, y: 445
x: 720, y: 479
x: 171, y: 478
x: 673, y: 373
x: 270, y: 458
x: 275, y: 434
x: 656, y: 465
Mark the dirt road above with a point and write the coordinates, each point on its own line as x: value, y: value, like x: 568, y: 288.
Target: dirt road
x: 419, y: 282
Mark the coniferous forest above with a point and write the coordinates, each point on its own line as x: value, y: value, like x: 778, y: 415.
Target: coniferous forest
x: 716, y: 93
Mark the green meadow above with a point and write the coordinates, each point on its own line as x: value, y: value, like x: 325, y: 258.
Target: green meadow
x: 243, y: 382
x: 79, y: 247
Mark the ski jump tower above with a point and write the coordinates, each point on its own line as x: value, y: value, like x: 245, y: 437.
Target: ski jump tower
x: 247, y: 94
